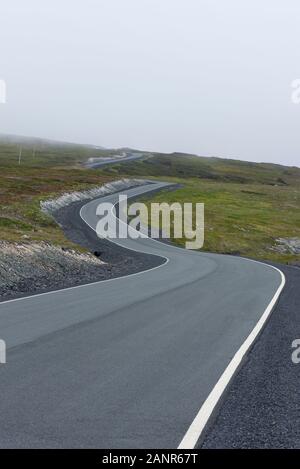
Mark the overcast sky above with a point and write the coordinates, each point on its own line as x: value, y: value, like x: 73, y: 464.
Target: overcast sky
x: 200, y: 76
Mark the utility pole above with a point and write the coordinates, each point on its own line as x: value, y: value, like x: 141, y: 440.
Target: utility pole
x: 20, y: 155
x: 33, y: 153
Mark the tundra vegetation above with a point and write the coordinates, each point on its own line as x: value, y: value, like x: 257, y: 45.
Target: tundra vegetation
x: 45, y: 171
x: 251, y: 209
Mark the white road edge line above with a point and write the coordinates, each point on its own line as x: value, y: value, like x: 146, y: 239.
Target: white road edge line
x: 197, y: 426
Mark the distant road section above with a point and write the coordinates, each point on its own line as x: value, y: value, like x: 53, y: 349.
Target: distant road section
x: 128, y: 362
x: 98, y: 162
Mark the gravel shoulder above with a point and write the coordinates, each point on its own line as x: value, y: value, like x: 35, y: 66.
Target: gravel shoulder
x: 261, y: 407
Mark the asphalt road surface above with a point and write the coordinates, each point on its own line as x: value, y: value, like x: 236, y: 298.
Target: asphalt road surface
x: 261, y: 407
x: 127, y: 362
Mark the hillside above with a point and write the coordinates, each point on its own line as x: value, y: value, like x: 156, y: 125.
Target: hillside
x: 44, y: 172
x: 251, y: 209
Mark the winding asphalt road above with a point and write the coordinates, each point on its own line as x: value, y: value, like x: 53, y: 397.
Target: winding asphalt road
x: 98, y: 163
x: 128, y: 362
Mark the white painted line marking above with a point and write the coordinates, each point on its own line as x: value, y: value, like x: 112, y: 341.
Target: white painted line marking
x: 196, y: 428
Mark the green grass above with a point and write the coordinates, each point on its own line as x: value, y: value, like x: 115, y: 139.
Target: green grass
x: 51, y: 172
x: 247, y: 205
x: 39, y: 154
x: 215, y: 169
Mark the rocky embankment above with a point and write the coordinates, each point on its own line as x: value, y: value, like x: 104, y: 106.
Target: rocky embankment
x: 289, y: 246
x: 30, y: 268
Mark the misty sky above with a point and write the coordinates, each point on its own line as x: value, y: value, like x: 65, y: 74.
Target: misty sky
x: 200, y: 76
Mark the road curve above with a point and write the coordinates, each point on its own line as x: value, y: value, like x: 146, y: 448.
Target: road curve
x: 128, y: 362
x: 98, y: 163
